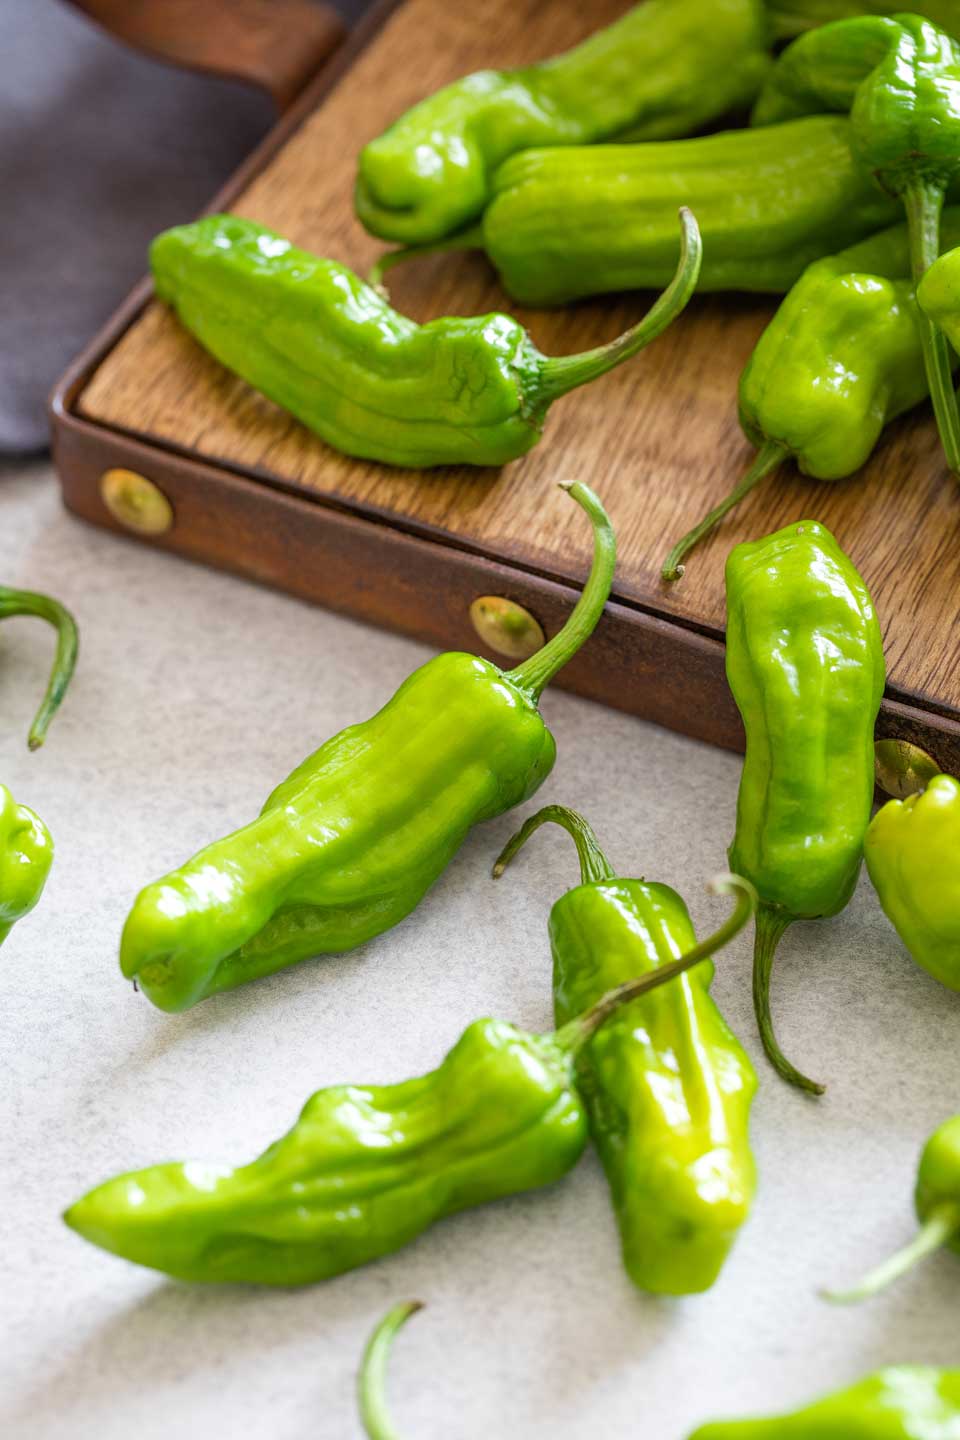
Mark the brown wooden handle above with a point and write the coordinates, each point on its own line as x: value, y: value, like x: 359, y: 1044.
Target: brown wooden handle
x: 276, y: 44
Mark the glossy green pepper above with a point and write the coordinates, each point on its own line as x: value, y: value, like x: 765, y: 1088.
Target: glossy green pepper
x: 352, y: 840
x: 563, y: 224
x: 319, y: 341
x: 912, y: 849
x: 368, y: 1168
x: 938, y: 293
x: 937, y: 1198
x: 666, y: 69
x: 842, y: 357
x: 902, y: 1402
x: 28, y: 602
x: 26, y: 854
x: 805, y: 664
x: 899, y: 79
x: 792, y: 17
x: 667, y: 1086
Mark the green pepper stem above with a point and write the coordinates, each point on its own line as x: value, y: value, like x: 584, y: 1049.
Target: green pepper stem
x: 941, y: 1225
x: 562, y: 373
x: 573, y: 1036
x: 469, y: 239
x: 769, y: 457
x: 594, y: 865
x: 534, y: 674
x: 28, y: 602
x: 371, y: 1381
x: 771, y: 923
x: 923, y: 202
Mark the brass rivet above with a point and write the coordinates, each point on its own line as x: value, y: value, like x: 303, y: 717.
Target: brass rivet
x: 136, y: 502
x: 505, y: 626
x: 902, y: 769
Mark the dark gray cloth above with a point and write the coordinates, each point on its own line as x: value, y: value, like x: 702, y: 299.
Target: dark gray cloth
x: 99, y: 149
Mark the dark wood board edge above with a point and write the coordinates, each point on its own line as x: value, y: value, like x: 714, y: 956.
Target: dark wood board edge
x: 640, y: 663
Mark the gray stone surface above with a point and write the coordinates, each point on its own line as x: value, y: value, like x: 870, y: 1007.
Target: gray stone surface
x: 195, y: 693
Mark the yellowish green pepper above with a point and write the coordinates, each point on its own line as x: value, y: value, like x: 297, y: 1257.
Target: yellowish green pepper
x: 912, y: 850
x: 367, y: 1168
x: 316, y: 339
x: 566, y: 223
x: 667, y: 1086
x: 667, y: 68
x: 902, y: 1402
x: 937, y: 1199
x: 899, y: 80
x: 352, y: 840
x: 805, y: 665
x: 26, y: 854
x: 842, y: 356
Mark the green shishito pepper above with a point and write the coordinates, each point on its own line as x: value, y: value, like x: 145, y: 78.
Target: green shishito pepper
x: 938, y: 293
x: 899, y: 78
x: 842, y: 357
x: 937, y: 1199
x: 564, y: 224
x: 28, y: 602
x: 319, y: 341
x: 666, y: 69
x: 912, y: 850
x: 352, y: 840
x: 26, y: 854
x: 792, y: 17
x: 368, y: 1168
x: 805, y: 665
x: 902, y: 1402
x: 667, y: 1086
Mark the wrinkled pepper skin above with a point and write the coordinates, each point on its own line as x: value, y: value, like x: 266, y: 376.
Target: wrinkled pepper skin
x: 584, y: 221
x: 668, y: 1088
x: 666, y: 69
x: 363, y: 1171
x: 367, y: 1168
x: 899, y: 80
x: 327, y: 347
x: 350, y: 842
x: 903, y: 1402
x: 805, y: 664
x: 841, y: 358
x: 912, y: 850
x: 26, y: 854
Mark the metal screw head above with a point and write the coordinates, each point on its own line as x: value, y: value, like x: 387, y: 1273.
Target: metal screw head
x: 136, y: 502
x: 506, y: 627
x: 902, y: 769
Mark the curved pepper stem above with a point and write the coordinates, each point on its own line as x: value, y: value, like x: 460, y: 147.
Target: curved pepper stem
x: 941, y: 1225
x: 562, y: 373
x: 573, y: 1036
x: 924, y: 203
x: 371, y: 1381
x: 771, y: 924
x: 534, y: 674
x: 594, y: 865
x: 769, y: 457
x: 28, y: 602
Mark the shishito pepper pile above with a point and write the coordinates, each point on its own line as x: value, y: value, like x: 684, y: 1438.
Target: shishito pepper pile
x: 833, y: 197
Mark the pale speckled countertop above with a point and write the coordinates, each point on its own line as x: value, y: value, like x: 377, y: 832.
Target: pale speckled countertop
x: 195, y: 693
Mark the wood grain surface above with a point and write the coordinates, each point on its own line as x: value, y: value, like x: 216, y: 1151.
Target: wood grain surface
x: 658, y: 439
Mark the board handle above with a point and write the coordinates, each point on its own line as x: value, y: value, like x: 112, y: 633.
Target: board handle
x: 275, y: 44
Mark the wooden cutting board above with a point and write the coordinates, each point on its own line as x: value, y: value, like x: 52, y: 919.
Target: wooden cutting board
x: 254, y: 492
